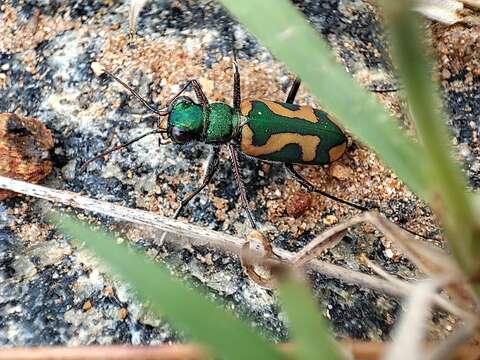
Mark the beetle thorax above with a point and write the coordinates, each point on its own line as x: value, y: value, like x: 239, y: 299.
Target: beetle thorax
x: 220, y: 123
x: 189, y: 121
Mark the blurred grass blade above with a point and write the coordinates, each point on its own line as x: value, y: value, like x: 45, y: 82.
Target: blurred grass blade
x: 444, y: 11
x: 448, y: 196
x: 280, y: 27
x: 136, y: 7
x: 185, y: 308
x: 407, y: 342
x: 430, y: 172
x: 309, y: 330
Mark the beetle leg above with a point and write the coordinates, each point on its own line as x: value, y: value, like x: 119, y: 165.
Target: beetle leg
x: 241, y: 186
x: 237, y: 97
x: 310, y: 187
x: 210, y: 169
x: 212, y: 166
x: 293, y: 91
x: 202, y: 98
x: 199, y: 93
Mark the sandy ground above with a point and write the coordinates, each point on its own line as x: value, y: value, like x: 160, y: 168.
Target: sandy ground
x: 52, y: 292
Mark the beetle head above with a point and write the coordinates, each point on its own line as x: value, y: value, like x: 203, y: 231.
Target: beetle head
x: 185, y: 120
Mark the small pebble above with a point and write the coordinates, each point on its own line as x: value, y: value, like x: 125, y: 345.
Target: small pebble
x: 446, y: 74
x: 25, y: 145
x: 340, y: 171
x: 266, y: 167
x: 298, y: 204
x: 87, y: 305
x: 330, y: 220
x: 122, y: 314
x: 24, y: 267
x: 68, y: 171
x: 97, y: 68
x: 208, y: 259
x: 207, y: 85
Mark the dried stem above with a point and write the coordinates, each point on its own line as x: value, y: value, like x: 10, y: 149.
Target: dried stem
x: 437, y: 299
x: 447, y: 347
x: 326, y: 240
x: 359, y: 350
x: 115, y: 352
x: 198, y: 235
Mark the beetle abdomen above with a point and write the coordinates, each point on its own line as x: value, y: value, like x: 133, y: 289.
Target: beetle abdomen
x: 289, y: 133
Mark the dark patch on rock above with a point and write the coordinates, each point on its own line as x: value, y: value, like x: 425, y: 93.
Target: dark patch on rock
x: 24, y: 93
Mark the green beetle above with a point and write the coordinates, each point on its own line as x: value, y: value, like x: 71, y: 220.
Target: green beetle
x: 264, y: 129
x: 267, y: 130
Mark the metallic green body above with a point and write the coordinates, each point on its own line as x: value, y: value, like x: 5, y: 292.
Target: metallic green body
x: 220, y: 123
x: 268, y: 130
x: 214, y: 125
x: 289, y: 133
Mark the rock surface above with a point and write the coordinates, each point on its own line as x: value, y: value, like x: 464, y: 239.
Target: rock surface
x: 53, y: 292
x: 25, y: 145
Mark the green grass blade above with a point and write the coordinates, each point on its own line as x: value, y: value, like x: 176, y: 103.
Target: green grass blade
x: 280, y: 27
x: 427, y: 167
x: 309, y: 330
x: 448, y: 195
x: 185, y: 308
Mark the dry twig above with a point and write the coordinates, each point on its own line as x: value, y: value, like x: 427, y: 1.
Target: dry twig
x: 436, y: 298
x: 136, y: 7
x: 411, y: 329
x: 359, y: 350
x: 202, y: 236
x: 196, y: 234
x: 447, y: 347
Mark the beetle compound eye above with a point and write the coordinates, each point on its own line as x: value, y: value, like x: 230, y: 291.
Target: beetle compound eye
x: 181, y: 135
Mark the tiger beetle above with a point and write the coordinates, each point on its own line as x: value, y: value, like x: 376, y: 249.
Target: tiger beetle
x: 271, y: 131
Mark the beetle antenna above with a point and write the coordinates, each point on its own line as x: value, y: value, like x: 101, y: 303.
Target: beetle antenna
x: 116, y: 148
x: 161, y: 112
